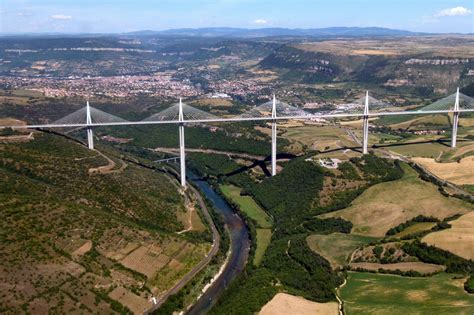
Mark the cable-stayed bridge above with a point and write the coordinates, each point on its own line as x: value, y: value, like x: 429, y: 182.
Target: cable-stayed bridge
x: 273, y: 111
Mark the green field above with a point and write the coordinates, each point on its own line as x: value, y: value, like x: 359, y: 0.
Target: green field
x: 395, y: 119
x: 336, y: 247
x: 407, y: 121
x: 247, y: 205
x: 256, y: 213
x: 380, y: 137
x: 318, y: 137
x: 469, y: 188
x: 389, y: 204
x: 429, y: 150
x: 415, y: 228
x: 263, y: 240
x: 367, y: 293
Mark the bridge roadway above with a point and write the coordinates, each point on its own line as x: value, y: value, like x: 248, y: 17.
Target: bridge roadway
x: 236, y: 119
x: 175, y: 151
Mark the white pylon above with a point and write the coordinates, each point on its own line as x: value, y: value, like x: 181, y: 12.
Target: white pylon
x: 274, y: 136
x: 181, y: 145
x: 365, y: 141
x: 90, y: 133
x: 455, y: 120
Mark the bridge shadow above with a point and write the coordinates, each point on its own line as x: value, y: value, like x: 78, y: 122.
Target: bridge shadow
x: 444, y: 142
x: 262, y: 164
x: 355, y: 149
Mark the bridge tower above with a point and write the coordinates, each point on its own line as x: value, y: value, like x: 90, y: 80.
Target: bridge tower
x: 90, y: 133
x: 181, y: 144
x: 455, y: 120
x: 366, y: 124
x: 274, y: 136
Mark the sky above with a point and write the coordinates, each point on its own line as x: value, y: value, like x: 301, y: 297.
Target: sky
x: 117, y: 16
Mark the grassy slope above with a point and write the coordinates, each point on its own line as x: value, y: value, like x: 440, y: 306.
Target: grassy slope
x: 429, y: 150
x: 248, y: 205
x: 264, y: 237
x: 415, y: 228
x: 318, y: 137
x: 336, y: 247
x: 469, y: 188
x: 407, y: 121
x: 256, y: 213
x: 458, y: 239
x: 62, y: 166
x: 50, y: 206
x: 458, y: 173
x: 386, y: 205
x: 367, y: 293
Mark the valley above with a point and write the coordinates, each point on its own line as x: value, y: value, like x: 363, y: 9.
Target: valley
x: 111, y: 230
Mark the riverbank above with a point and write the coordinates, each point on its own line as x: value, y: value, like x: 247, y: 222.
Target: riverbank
x: 238, y: 252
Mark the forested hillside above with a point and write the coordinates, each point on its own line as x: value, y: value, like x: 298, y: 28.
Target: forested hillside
x: 293, y: 199
x: 80, y: 229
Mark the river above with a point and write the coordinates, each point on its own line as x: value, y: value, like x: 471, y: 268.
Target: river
x: 240, y: 246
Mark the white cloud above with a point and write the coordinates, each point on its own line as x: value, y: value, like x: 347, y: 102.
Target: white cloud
x: 61, y: 17
x: 456, y: 11
x: 23, y: 14
x: 260, y: 21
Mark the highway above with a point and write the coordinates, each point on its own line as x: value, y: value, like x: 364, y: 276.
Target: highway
x: 231, y: 119
x: 175, y: 151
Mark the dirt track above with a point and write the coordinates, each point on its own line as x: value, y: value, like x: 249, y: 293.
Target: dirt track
x: 109, y: 167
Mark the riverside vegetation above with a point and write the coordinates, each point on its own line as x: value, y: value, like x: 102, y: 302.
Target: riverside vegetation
x: 293, y: 199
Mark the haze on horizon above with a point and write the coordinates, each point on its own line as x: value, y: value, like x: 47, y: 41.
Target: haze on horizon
x: 107, y: 16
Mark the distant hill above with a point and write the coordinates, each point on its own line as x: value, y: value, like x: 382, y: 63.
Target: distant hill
x: 271, y: 32
x: 241, y: 32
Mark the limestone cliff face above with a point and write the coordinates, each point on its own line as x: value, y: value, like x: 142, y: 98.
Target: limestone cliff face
x: 437, y: 74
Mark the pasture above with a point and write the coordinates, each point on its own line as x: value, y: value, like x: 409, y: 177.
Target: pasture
x: 389, y: 204
x: 264, y: 237
x: 212, y: 102
x: 283, y: 304
x: 416, y: 228
x: 459, y: 173
x: 458, y: 239
x: 263, y: 221
x: 423, y: 121
x: 418, y: 266
x: 336, y: 247
x: 367, y: 293
x: 247, y: 205
x: 389, y: 46
x: 319, y: 138
x: 427, y: 150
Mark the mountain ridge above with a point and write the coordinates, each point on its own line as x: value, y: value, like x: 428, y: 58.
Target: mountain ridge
x: 280, y: 31
x: 337, y: 31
